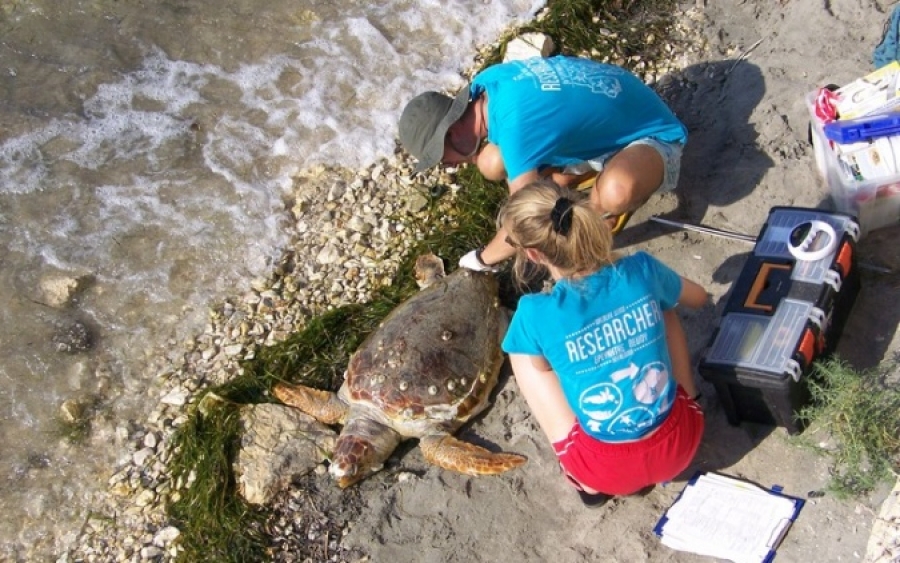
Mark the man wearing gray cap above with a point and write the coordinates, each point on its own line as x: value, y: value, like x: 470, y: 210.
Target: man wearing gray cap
x: 565, y: 117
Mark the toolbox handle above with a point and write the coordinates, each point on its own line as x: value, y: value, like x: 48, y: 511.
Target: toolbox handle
x: 761, y: 283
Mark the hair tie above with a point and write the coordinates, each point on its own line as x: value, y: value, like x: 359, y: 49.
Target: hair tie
x: 561, y: 216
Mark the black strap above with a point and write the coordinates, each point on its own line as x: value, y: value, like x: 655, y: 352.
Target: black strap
x: 561, y: 216
x: 481, y: 261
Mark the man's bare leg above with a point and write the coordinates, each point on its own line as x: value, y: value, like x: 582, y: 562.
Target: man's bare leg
x: 628, y: 180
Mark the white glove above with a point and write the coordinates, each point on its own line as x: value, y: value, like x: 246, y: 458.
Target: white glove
x: 473, y: 262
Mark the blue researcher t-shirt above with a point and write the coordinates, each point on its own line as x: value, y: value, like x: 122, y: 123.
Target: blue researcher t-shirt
x: 561, y: 111
x: 604, y: 337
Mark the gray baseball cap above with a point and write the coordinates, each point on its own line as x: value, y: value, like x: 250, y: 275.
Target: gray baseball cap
x: 424, y: 124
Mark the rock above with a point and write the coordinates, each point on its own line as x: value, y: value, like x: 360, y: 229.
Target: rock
x: 884, y: 542
x: 328, y: 255
x: 73, y: 337
x: 528, y: 45
x: 166, y: 536
x: 141, y: 456
x: 176, y: 397
x: 58, y: 290
x: 278, y: 444
x: 72, y: 411
x: 416, y: 201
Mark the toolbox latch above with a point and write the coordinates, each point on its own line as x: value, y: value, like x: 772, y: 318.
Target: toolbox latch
x: 833, y: 278
x: 793, y: 369
x: 817, y: 317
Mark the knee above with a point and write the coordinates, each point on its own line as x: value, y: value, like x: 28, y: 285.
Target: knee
x: 490, y: 163
x: 615, y: 193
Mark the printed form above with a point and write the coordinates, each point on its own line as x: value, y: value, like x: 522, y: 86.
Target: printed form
x: 723, y: 517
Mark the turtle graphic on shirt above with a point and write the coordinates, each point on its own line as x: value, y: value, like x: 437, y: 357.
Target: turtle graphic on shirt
x: 603, y: 403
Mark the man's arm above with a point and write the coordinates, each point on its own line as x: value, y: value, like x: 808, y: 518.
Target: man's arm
x: 523, y: 180
x: 497, y: 250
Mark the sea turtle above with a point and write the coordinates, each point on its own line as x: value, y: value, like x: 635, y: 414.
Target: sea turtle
x: 428, y: 368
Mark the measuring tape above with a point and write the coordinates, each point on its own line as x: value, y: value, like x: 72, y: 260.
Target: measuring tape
x: 812, y: 240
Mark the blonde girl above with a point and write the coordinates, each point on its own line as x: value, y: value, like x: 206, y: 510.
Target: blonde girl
x: 591, y: 355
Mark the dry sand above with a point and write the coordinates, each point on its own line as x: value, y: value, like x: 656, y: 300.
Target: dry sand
x: 748, y: 151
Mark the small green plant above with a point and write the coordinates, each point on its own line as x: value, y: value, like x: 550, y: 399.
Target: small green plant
x: 861, y: 411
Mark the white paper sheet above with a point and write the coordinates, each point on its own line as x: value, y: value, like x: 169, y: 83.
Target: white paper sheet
x: 727, y: 518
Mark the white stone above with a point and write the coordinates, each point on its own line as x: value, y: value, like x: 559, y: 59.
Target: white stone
x: 166, y: 536
x: 233, y: 350
x: 146, y: 498
x: 140, y: 457
x: 58, y: 290
x: 328, y: 255
x: 176, y: 397
x: 528, y: 45
x: 150, y: 552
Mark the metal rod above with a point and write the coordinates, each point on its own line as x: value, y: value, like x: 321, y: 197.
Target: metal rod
x: 704, y: 229
x: 745, y: 238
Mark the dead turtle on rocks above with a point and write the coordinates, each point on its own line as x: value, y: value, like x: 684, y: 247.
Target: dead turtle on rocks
x: 428, y: 369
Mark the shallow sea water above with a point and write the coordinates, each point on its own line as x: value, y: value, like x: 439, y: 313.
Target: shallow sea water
x: 145, y: 147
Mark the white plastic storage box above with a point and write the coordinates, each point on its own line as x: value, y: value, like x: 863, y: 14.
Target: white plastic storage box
x: 875, y: 201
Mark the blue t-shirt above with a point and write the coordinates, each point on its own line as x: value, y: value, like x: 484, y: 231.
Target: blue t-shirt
x: 561, y: 111
x: 604, y: 337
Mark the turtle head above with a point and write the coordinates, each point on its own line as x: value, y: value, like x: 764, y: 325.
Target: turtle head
x: 351, y: 461
x: 361, y: 449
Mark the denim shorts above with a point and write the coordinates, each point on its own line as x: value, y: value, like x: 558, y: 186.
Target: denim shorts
x: 670, y: 153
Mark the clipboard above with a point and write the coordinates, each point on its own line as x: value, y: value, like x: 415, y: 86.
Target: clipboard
x: 748, y: 537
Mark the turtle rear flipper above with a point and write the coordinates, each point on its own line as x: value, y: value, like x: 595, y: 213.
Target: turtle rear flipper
x: 324, y: 406
x: 448, y: 452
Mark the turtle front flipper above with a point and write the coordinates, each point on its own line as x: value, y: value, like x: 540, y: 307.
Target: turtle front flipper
x: 324, y: 406
x: 446, y: 451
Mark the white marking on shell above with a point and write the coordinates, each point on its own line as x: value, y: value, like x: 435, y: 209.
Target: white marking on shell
x: 446, y: 335
x: 451, y: 385
x: 442, y: 412
x: 404, y: 385
x: 407, y: 413
x: 482, y: 377
x: 432, y: 389
x: 463, y: 381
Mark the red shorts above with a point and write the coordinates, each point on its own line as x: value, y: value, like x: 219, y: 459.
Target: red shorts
x: 625, y: 468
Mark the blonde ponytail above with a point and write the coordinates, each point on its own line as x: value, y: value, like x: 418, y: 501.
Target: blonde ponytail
x: 561, y: 224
